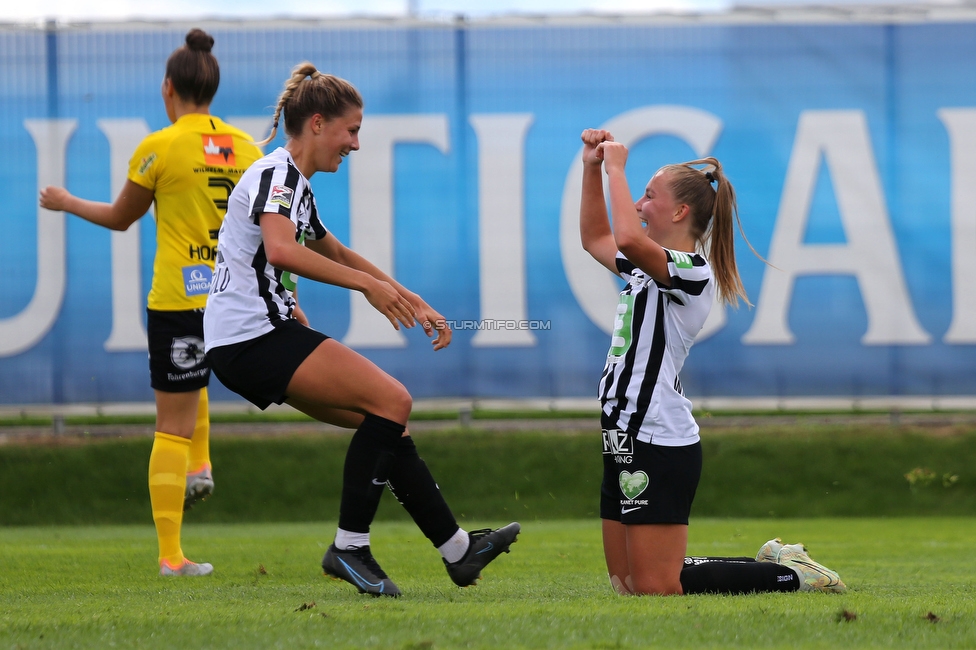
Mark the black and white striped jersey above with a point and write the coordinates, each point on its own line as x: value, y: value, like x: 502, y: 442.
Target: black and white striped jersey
x: 654, y: 329
x: 248, y: 296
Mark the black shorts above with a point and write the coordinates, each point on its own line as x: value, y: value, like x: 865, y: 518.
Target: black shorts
x: 645, y: 483
x: 177, y: 363
x: 259, y: 370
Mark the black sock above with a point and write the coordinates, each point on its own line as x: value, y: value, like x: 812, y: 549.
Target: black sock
x: 366, y: 470
x: 416, y: 490
x: 736, y: 576
x: 695, y: 560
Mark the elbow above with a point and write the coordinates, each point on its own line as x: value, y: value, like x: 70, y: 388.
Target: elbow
x: 108, y: 219
x: 587, y: 245
x: 120, y: 221
x: 590, y: 246
x: 339, y: 255
x: 276, y: 255
x: 628, y: 245
x: 593, y: 241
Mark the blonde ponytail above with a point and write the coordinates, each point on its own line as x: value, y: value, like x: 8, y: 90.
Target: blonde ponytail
x: 714, y: 213
x: 308, y: 92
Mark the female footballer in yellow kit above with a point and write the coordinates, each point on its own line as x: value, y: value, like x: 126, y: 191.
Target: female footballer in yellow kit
x: 188, y: 169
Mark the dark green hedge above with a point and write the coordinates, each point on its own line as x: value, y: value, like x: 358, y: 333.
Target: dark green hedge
x: 484, y: 475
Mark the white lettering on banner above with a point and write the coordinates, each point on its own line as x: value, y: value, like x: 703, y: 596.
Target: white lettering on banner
x: 128, y: 333
x: 840, y: 138
x: 371, y: 211
x: 22, y: 331
x: 960, y: 123
x: 870, y: 253
x: 593, y: 286
x: 501, y: 226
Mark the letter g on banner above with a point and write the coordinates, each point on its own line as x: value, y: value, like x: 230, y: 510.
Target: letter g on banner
x: 593, y: 286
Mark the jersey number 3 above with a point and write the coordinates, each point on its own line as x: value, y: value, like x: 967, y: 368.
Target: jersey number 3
x: 224, y: 183
x: 622, y: 334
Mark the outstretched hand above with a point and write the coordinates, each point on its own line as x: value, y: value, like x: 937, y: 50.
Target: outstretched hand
x: 388, y: 301
x: 432, y: 322
x: 592, y: 139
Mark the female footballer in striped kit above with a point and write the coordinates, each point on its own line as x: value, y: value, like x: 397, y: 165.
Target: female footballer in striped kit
x: 273, y: 233
x: 652, y: 452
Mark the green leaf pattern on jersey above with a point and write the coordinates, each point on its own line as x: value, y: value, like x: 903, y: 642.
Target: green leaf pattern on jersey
x: 288, y: 279
x: 622, y: 336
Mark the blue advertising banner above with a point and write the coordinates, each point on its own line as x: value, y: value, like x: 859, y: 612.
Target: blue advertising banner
x: 850, y: 147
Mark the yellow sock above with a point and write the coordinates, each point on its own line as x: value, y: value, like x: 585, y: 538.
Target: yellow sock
x: 167, y: 482
x: 200, y: 443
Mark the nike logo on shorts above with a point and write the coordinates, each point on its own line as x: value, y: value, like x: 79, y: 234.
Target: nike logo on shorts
x: 375, y: 482
x: 624, y: 511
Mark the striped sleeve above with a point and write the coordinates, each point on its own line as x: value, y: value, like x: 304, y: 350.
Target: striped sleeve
x: 316, y: 229
x: 277, y: 192
x: 625, y: 268
x: 689, y: 275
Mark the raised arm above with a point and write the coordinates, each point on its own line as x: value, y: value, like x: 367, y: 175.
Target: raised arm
x: 131, y: 203
x: 595, y: 231
x: 628, y: 234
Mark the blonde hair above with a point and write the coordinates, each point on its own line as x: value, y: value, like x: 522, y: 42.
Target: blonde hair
x: 308, y: 92
x: 713, y: 210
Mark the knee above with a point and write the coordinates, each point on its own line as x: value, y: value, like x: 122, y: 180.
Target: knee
x: 176, y: 426
x: 399, y: 403
x: 619, y: 586
x: 655, y: 586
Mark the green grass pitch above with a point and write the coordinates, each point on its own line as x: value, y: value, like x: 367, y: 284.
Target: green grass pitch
x: 912, y: 583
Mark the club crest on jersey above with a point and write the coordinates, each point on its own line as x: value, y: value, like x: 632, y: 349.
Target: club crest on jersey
x: 281, y: 195
x: 219, y: 150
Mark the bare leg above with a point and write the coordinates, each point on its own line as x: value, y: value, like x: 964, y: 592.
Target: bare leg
x: 337, y: 417
x: 334, y: 378
x: 656, y: 555
x: 176, y: 413
x: 615, y: 552
x: 337, y: 385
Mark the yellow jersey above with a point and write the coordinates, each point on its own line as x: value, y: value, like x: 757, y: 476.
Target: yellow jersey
x: 191, y: 167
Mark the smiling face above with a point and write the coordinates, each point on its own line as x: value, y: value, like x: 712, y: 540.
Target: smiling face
x: 336, y: 138
x: 658, y: 208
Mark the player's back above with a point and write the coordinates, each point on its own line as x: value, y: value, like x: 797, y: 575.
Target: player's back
x: 192, y: 167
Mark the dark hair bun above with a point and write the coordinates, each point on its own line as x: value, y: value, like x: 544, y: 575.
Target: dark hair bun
x: 199, y: 40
